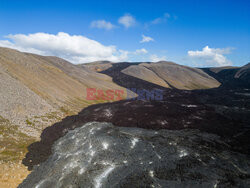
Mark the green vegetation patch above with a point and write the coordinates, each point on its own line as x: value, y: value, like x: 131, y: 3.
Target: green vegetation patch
x: 13, y: 143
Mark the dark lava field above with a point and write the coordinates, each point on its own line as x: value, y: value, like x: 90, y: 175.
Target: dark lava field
x: 190, y: 138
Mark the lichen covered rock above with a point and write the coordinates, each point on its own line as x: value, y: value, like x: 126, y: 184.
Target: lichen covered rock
x: 102, y: 155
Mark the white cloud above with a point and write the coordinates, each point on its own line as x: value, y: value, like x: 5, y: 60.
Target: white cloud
x: 102, y: 24
x: 123, y: 55
x: 155, y: 58
x: 74, y: 48
x: 141, y: 51
x: 211, y: 56
x: 146, y: 39
x: 159, y: 20
x: 127, y: 20
x: 156, y: 21
x: 166, y: 15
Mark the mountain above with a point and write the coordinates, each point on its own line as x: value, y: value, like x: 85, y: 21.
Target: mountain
x: 244, y: 74
x: 231, y: 77
x: 97, y: 66
x: 33, y: 85
x: 176, y: 76
x: 165, y: 74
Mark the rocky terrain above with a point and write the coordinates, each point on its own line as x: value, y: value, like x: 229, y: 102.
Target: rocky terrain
x: 222, y: 113
x: 204, y: 111
x: 101, y: 155
x: 210, y: 121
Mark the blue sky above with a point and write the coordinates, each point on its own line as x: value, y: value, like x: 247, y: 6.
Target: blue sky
x: 197, y: 33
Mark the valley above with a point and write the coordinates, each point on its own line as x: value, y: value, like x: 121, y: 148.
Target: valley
x: 44, y: 99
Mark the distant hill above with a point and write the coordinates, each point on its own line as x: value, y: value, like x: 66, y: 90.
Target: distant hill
x: 244, y: 73
x: 97, y: 66
x: 177, y: 76
x: 163, y: 73
x: 231, y: 77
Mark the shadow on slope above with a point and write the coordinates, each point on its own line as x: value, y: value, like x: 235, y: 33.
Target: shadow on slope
x: 127, y: 81
x: 231, y: 77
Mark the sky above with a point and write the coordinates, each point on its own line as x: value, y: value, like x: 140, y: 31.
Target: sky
x: 191, y: 32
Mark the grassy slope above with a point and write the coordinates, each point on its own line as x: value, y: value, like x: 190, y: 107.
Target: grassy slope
x: 13, y: 148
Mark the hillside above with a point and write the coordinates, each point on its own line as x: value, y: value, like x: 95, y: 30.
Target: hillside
x: 165, y: 74
x: 97, y: 66
x: 177, y: 76
x: 231, y: 77
x: 36, y: 85
x: 37, y: 91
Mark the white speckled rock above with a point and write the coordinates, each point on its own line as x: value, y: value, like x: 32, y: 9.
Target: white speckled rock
x: 102, y: 155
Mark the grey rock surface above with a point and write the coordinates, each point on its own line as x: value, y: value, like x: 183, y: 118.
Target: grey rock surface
x: 102, y: 155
